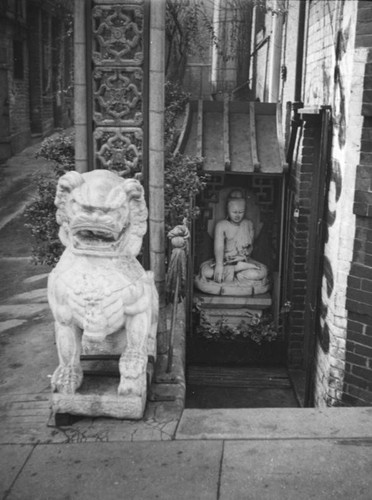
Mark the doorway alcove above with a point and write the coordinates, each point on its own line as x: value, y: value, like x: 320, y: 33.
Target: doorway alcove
x: 242, y: 148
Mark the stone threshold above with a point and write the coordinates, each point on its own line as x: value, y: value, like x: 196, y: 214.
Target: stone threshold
x: 276, y: 423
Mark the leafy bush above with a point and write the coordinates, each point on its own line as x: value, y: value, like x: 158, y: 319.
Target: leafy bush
x: 41, y: 214
x: 183, y: 176
x: 183, y: 181
x: 175, y: 103
x: 60, y: 148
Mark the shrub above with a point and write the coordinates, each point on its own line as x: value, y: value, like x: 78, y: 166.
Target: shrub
x: 183, y: 180
x: 60, y: 148
x: 41, y: 213
x: 41, y: 216
x: 183, y: 177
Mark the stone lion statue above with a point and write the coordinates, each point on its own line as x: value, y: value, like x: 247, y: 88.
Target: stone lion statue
x: 98, y: 288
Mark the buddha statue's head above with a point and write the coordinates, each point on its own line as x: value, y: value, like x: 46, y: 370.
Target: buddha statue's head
x: 236, y: 205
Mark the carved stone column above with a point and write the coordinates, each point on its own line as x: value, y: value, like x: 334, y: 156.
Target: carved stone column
x: 80, y: 88
x: 118, y: 55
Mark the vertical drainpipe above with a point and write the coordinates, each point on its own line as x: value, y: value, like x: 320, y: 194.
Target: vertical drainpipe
x: 275, y: 55
x: 156, y: 159
x: 215, y: 57
x: 252, y: 63
x: 80, y: 87
x: 300, y: 51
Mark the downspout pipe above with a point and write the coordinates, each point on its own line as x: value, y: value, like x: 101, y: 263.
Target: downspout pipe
x: 80, y: 86
x: 275, y: 55
x: 215, y: 57
x: 300, y: 51
x: 297, y: 102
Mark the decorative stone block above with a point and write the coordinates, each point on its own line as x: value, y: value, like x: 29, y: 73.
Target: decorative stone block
x: 119, y: 149
x: 118, y: 34
x: 118, y: 96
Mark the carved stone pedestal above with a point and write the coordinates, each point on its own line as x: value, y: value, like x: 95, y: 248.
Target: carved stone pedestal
x: 232, y: 309
x: 98, y: 397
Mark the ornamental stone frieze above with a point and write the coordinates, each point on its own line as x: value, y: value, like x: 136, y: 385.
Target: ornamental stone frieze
x: 117, y: 34
x: 117, y: 96
x: 118, y: 85
x: 119, y: 149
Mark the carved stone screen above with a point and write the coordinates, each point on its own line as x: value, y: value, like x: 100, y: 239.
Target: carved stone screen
x: 118, y: 59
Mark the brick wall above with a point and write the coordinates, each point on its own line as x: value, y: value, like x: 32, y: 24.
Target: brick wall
x: 35, y: 47
x: 332, y: 70
x: 357, y: 389
x: 18, y: 87
x: 300, y: 187
x: 340, y: 78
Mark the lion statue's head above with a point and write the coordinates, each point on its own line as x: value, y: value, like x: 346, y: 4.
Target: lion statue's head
x: 101, y: 213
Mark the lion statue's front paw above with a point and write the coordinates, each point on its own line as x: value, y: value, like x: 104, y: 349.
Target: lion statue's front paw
x: 132, y: 368
x: 67, y: 379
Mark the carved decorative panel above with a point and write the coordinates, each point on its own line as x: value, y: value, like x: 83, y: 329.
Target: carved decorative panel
x: 119, y: 149
x: 118, y: 85
x: 117, y: 96
x: 118, y: 34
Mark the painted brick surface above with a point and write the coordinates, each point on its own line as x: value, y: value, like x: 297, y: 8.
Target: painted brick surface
x: 357, y: 388
x: 335, y: 73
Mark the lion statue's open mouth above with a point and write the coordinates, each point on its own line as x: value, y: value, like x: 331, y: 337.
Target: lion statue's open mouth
x: 96, y: 239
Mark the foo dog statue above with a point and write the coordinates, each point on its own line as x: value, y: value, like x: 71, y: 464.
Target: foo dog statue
x: 98, y: 288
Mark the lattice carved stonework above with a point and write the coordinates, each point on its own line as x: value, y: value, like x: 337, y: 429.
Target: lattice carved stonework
x: 119, y: 149
x: 118, y: 85
x: 118, y: 34
x: 117, y: 96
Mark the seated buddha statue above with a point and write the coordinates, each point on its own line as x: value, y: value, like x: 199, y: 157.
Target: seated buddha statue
x: 233, y: 271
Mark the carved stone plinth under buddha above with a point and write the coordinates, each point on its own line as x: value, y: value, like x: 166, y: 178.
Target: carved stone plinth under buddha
x: 101, y: 297
x: 232, y: 309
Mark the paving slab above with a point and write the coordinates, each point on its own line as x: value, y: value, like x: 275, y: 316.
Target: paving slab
x: 23, y: 310
x: 9, y: 324
x: 276, y: 423
x: 135, y: 471
x: 36, y: 295
x: 12, y: 459
x: 28, y: 357
x: 293, y: 470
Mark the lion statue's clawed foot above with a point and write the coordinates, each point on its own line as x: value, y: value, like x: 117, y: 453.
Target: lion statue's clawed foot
x: 132, y: 369
x: 67, y: 379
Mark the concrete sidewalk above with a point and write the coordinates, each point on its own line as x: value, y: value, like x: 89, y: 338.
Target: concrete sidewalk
x: 310, y: 455
x: 280, y: 453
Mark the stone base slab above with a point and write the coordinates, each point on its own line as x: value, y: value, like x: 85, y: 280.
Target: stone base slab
x: 262, y: 301
x: 232, y: 316
x: 98, y: 397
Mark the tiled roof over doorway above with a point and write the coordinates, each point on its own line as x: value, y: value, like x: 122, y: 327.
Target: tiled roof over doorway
x: 235, y: 136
